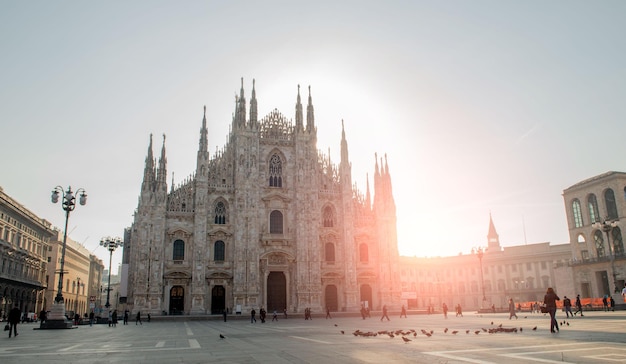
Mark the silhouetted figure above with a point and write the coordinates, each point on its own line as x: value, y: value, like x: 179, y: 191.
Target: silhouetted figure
x: 550, y: 301
x: 14, y: 319
x: 252, y: 316
x: 579, y: 306
x: 512, y: 309
x: 328, y: 313
x: 567, y: 305
x: 138, y: 318
x: 459, y: 310
x: 125, y: 317
x: 385, y: 313
x: 403, y: 312
x: 445, y: 310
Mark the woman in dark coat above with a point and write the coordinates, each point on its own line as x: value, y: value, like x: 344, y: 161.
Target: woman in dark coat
x: 550, y: 300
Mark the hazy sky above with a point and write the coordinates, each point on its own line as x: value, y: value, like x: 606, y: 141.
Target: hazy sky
x: 481, y: 106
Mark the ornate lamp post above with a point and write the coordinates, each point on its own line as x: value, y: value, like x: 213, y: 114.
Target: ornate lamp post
x: 607, y: 226
x: 480, y: 251
x: 57, y: 319
x: 111, y: 244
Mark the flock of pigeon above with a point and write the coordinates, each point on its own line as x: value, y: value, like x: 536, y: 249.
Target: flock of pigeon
x: 406, y: 334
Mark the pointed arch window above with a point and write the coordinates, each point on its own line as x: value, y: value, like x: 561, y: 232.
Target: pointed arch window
x: 599, y: 243
x: 594, y: 213
x: 611, y: 206
x: 276, y: 171
x: 219, y: 251
x: 578, y: 216
x: 618, y: 243
x: 328, y: 217
x: 329, y: 252
x: 363, y: 253
x: 276, y: 222
x: 178, y: 250
x: 220, y: 213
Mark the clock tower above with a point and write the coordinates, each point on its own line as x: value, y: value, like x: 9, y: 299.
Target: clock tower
x: 492, y: 237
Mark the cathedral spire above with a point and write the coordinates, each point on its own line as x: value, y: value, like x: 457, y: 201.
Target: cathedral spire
x: 344, y: 147
x: 310, y: 117
x: 240, y: 111
x: 253, y: 107
x: 162, y: 171
x: 148, y: 172
x: 203, y: 134
x: 299, y: 125
x: 368, y: 199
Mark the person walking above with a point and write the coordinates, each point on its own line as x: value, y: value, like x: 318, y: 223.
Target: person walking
x: 512, y: 309
x: 110, y: 319
x: 328, y: 313
x: 445, y: 310
x: 114, y: 318
x: 275, y: 316
x: 385, y: 313
x: 363, y: 312
x: 459, y: 310
x: 567, y: 305
x: 91, y: 317
x: 43, y: 315
x: 253, y: 316
x: 138, y: 318
x: 14, y: 319
x: 579, y: 306
x: 403, y: 312
x: 125, y: 317
x: 550, y: 301
x: 262, y: 315
x: 612, y: 303
x: 605, y: 302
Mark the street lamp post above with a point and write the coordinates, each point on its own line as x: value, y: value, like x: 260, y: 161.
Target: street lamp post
x: 607, y: 226
x: 77, y: 284
x: 57, y: 319
x: 111, y: 244
x: 480, y: 251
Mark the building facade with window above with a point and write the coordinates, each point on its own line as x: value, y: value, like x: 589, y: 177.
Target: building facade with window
x: 268, y: 221
x: 24, y: 239
x: 77, y: 282
x: 595, y: 211
x: 522, y: 273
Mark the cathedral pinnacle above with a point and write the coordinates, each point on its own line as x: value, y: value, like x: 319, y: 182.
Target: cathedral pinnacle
x: 299, y: 125
x: 310, y: 117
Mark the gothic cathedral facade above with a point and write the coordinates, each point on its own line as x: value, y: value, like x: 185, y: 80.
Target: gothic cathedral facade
x: 268, y: 221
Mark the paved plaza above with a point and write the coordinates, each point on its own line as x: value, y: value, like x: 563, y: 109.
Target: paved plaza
x: 599, y: 337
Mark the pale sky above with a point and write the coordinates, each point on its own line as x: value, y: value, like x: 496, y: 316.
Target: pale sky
x: 481, y: 106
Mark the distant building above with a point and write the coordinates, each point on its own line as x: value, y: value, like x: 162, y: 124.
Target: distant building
x: 77, y: 284
x: 521, y: 272
x: 24, y: 239
x: 596, y: 209
x: 268, y: 221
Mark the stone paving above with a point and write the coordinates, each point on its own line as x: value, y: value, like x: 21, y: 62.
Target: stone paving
x: 599, y: 337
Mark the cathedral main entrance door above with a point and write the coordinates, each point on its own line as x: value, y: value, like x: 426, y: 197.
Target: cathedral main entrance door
x: 218, y: 300
x: 366, y: 295
x: 177, y: 300
x: 331, y: 297
x: 276, y: 291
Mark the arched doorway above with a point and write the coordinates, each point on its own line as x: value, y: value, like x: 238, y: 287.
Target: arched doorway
x: 366, y: 295
x: 331, y: 297
x: 276, y: 291
x: 218, y: 300
x: 177, y: 300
